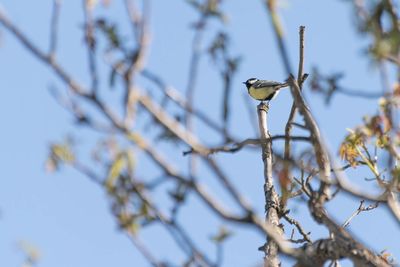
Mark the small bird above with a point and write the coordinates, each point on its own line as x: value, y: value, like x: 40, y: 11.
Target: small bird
x: 263, y: 90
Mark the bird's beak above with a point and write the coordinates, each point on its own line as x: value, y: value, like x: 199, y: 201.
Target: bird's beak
x: 244, y: 82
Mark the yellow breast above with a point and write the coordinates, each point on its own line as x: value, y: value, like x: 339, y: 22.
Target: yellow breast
x: 261, y: 93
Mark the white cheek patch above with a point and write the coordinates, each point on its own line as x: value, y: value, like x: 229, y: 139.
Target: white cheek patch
x: 252, y: 81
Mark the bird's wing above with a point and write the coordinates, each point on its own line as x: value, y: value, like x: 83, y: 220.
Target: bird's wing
x: 266, y: 83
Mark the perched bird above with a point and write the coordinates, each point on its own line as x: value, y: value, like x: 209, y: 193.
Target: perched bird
x: 263, y: 90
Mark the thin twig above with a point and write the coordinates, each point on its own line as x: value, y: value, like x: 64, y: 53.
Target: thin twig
x: 358, y: 93
x: 298, y: 226
x: 90, y: 40
x: 173, y: 125
x: 41, y: 55
x: 194, y: 63
x: 234, y: 147
x: 145, y: 251
x: 278, y: 31
x: 54, y: 27
x: 177, y: 232
x: 140, y: 30
x: 228, y: 185
x: 360, y: 209
x: 192, y: 80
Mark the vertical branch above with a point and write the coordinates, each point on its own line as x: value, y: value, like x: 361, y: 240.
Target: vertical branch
x: 293, y: 110
x: 91, y: 45
x: 301, y: 56
x: 54, y: 27
x: 277, y: 27
x: 193, y: 65
x: 192, y: 79
x: 321, y: 153
x: 140, y: 28
x: 272, y: 202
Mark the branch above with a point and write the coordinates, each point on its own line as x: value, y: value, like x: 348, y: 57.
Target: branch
x: 193, y: 64
x: 182, y: 240
x: 191, y: 140
x: 60, y: 72
x: 272, y: 202
x: 213, y: 204
x: 290, y: 121
x: 299, y: 227
x: 358, y: 93
x: 172, y: 124
x: 360, y: 209
x: 176, y: 231
x: 140, y: 28
x: 91, y: 45
x: 47, y: 59
x: 394, y: 206
x: 54, y: 27
x: 277, y: 28
x: 342, y: 245
x: 177, y: 98
x: 234, y: 147
x: 145, y: 251
x: 319, y: 148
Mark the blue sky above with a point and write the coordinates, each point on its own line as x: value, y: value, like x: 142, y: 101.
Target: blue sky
x: 67, y: 217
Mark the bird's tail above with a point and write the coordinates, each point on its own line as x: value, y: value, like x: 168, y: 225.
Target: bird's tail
x: 283, y: 85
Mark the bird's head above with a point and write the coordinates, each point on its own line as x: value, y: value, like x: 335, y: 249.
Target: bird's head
x: 250, y: 82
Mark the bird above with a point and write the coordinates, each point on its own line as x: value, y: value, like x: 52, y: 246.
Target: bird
x: 263, y: 90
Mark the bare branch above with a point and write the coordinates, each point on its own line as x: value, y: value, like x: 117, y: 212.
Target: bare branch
x: 60, y: 72
x: 319, y: 148
x: 177, y: 98
x: 173, y: 125
x: 338, y: 247
x: 357, y: 93
x: 234, y: 147
x: 394, y: 206
x: 147, y: 254
x: 299, y: 228
x: 190, y: 139
x: 213, y: 204
x: 140, y: 29
x: 176, y: 231
x: 194, y: 63
x: 278, y: 31
x: 41, y: 55
x: 272, y: 202
x: 90, y: 40
x: 54, y: 27
x: 290, y: 121
x: 360, y: 209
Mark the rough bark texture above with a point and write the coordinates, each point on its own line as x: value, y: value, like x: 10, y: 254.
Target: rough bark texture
x: 271, y: 197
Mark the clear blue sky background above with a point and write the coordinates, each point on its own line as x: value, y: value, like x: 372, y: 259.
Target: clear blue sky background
x: 67, y: 217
